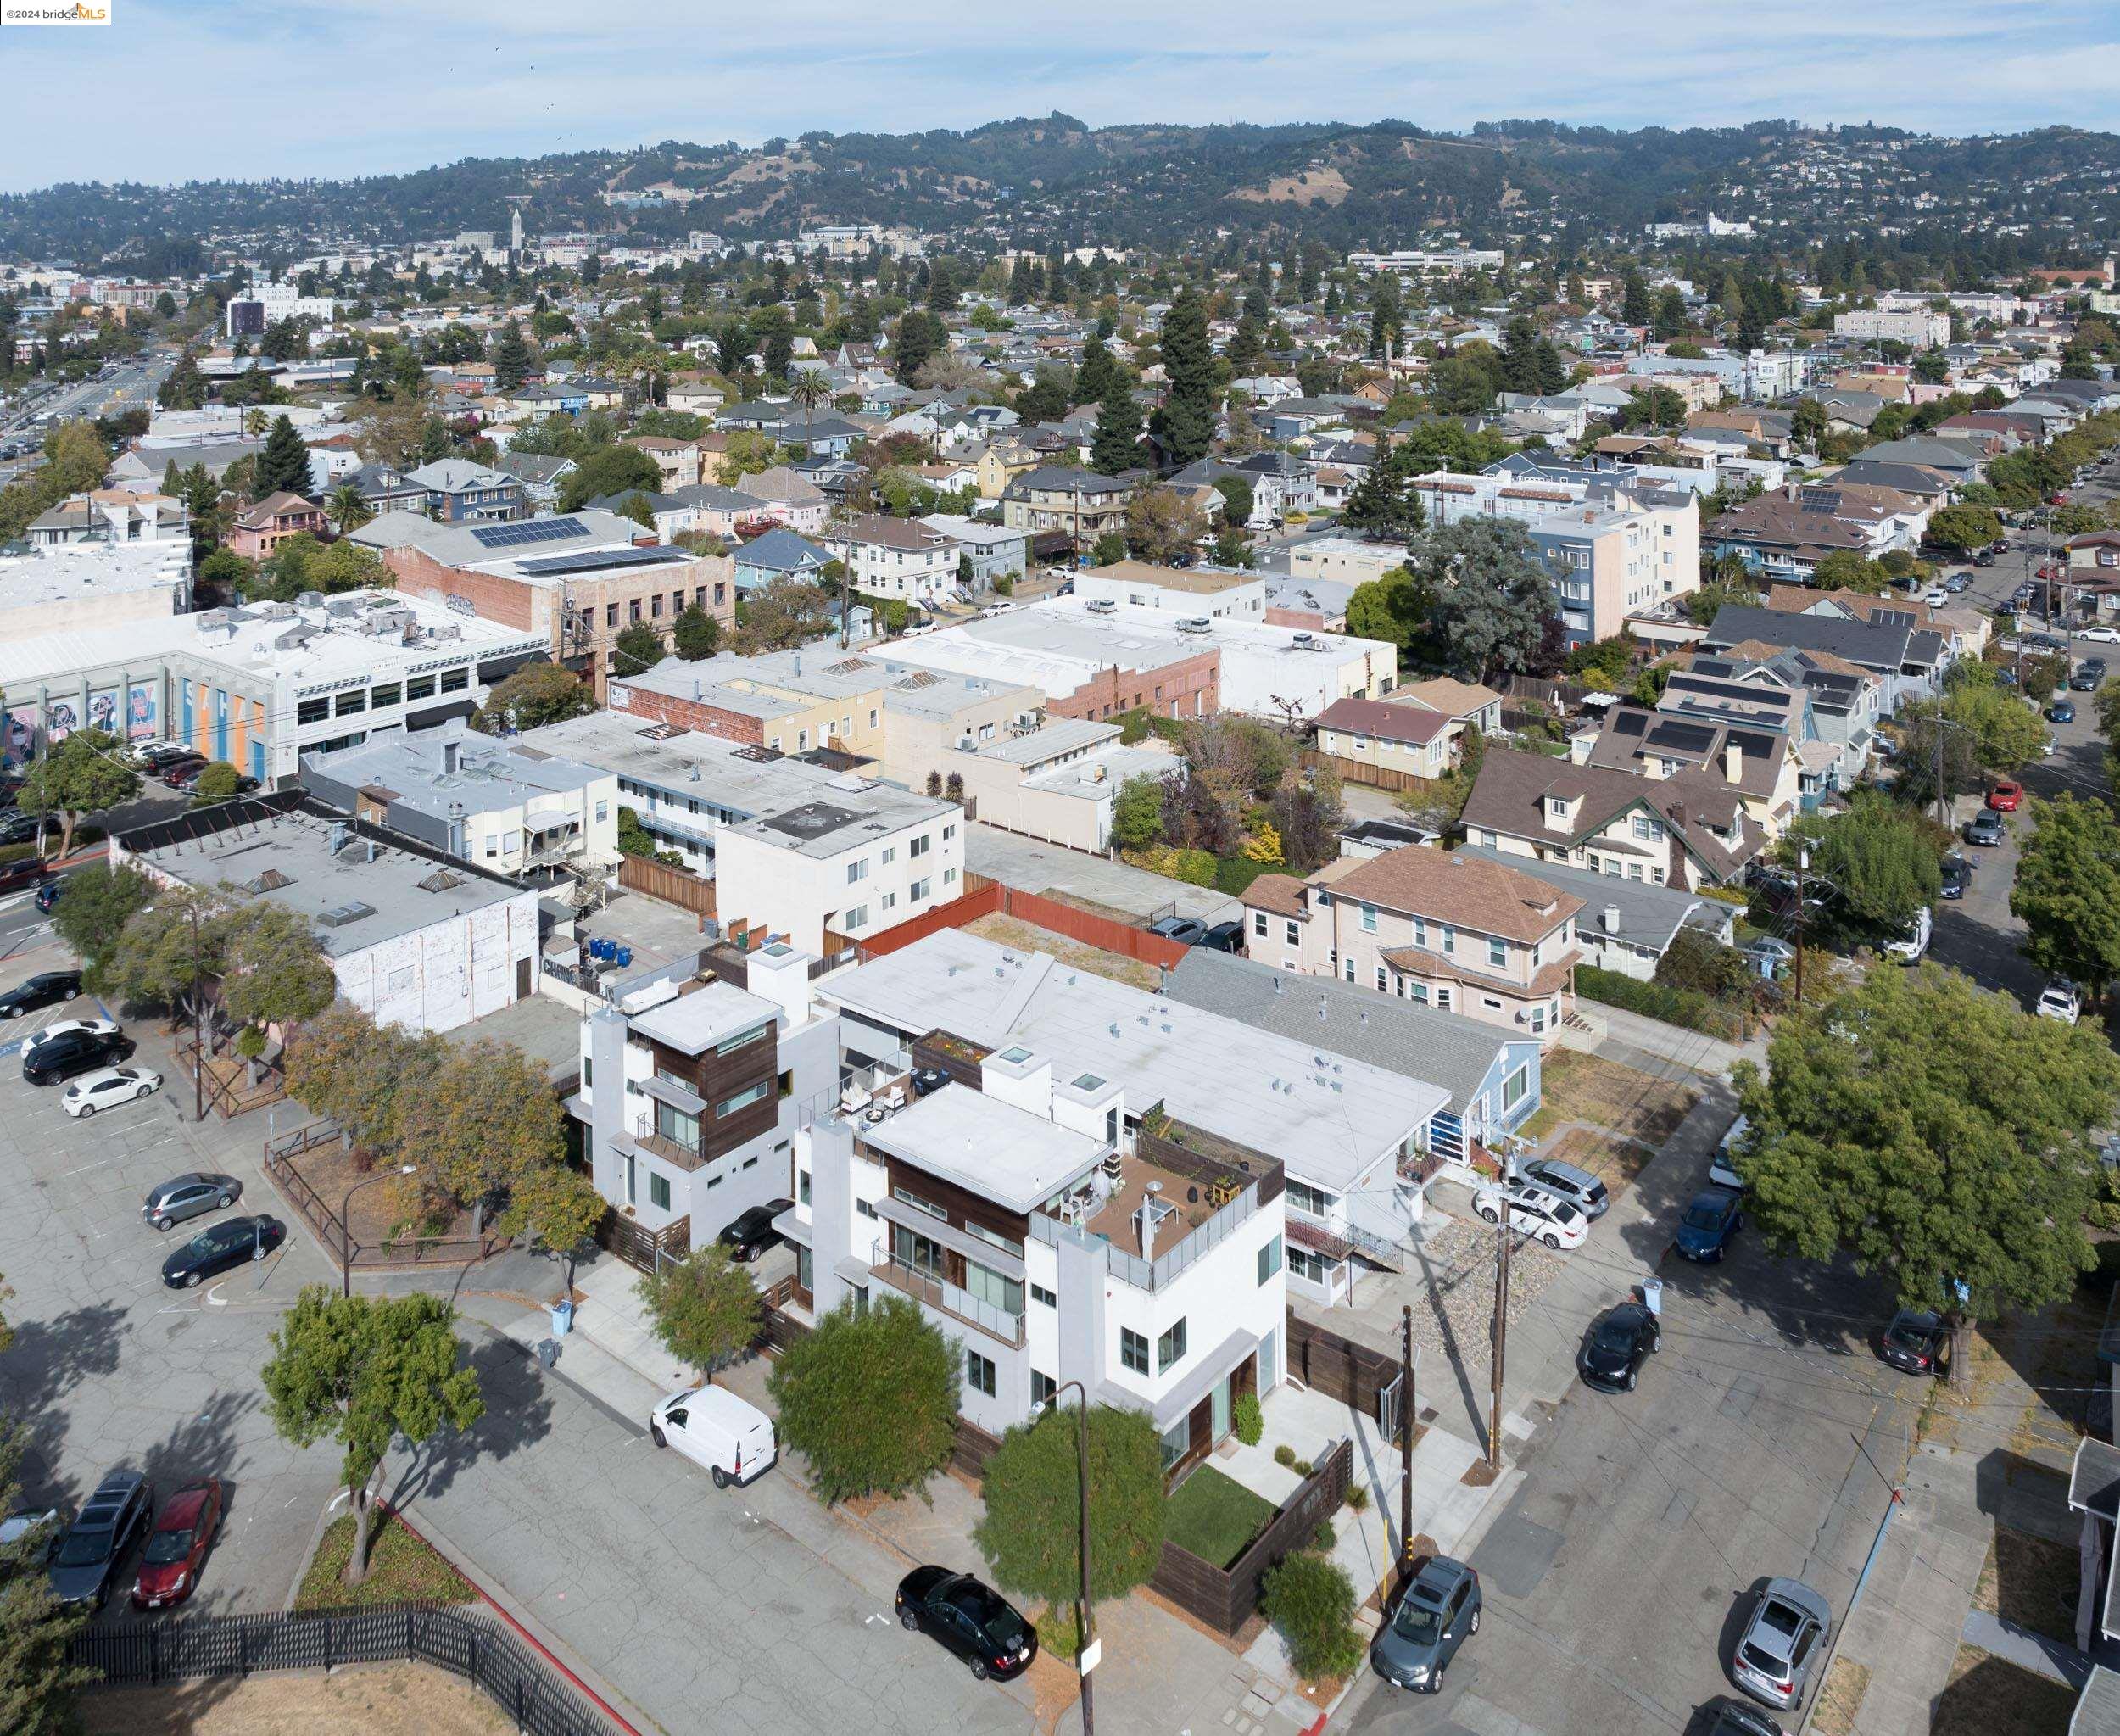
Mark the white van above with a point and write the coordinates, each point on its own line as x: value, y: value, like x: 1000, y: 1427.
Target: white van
x: 1908, y: 946
x: 733, y: 1439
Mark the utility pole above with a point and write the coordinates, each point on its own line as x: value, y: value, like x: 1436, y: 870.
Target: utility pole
x: 1406, y: 1413
x: 1501, y: 1333
x: 1803, y: 861
x: 198, y: 1025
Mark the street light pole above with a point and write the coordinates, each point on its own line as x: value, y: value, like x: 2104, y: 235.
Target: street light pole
x: 346, y: 1224
x: 1086, y: 1657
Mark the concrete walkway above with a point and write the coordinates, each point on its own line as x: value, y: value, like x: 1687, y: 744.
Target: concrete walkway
x: 1655, y: 1047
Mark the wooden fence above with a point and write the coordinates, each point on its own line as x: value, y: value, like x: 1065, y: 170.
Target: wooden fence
x: 1354, y: 1374
x: 673, y: 885
x: 1357, y: 772
x: 466, y: 1641
x: 331, y: 1229
x: 1225, y: 1597
x: 229, y: 1089
x: 640, y: 1248
x: 983, y: 897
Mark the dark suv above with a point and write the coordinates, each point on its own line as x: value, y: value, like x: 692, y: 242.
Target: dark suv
x: 116, y: 1517
x: 73, y: 1052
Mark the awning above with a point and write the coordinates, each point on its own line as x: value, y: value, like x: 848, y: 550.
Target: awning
x: 995, y: 1259
x: 849, y: 1270
x: 676, y: 1096
x: 548, y: 823
x: 792, y: 1227
x: 1207, y: 1375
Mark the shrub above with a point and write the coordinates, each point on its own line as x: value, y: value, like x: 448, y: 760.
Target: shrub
x: 1324, y: 1538
x: 1358, y: 1497
x: 1311, y: 1602
x: 1687, y: 1008
x: 1196, y: 868
x: 1248, y: 1420
x: 1285, y: 1456
x: 1302, y: 1467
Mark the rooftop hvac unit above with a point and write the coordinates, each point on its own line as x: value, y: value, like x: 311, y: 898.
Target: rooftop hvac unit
x: 1195, y: 623
x: 1101, y: 605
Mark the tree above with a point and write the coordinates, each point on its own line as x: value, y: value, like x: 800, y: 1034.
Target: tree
x: 484, y: 1124
x: 532, y: 697
x: 1109, y: 547
x: 1184, y: 425
x: 83, y: 775
x: 1964, y: 528
x: 639, y: 648
x: 1934, y: 1132
x: 640, y: 508
x: 1654, y: 407
x: 1637, y: 307
x: 780, y: 616
x: 560, y: 1210
x: 1386, y: 503
x: 1984, y: 729
x: 348, y: 511
x: 1397, y: 608
x: 704, y: 1307
x: 1809, y: 423
x: 869, y: 1399
x: 511, y: 359
x: 99, y: 902
x: 810, y: 388
x: 2068, y: 891
x: 1312, y: 1601
x: 1881, y: 866
x: 1137, y: 815
x: 1117, y: 447
x: 284, y: 463
x: 273, y: 970
x: 609, y: 470
x: 1161, y: 524
x: 695, y: 634
x: 1031, y: 1534
x: 218, y: 781
x: 920, y: 336
x: 364, y: 1370
x: 37, y: 1683
x: 1493, y: 597
x: 1844, y: 570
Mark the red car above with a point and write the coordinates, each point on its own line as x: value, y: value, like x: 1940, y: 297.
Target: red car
x: 176, y: 1548
x: 2006, y: 798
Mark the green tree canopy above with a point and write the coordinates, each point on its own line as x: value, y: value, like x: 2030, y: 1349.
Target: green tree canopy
x: 1493, y: 598
x: 640, y: 647
x: 1162, y: 524
x: 1880, y: 865
x: 367, y: 1078
x: 283, y: 464
x: 870, y: 1399
x: 704, y: 1307
x: 274, y: 969
x: 695, y: 634
x: 1964, y: 528
x: 364, y: 1370
x: 609, y: 470
x: 534, y: 696
x: 2068, y: 891
x: 1935, y: 1133
x: 1137, y: 816
x: 98, y: 902
x: 217, y: 781
x: 1031, y: 1534
x: 1117, y: 447
x: 84, y: 775
x: 1386, y: 503
x: 1397, y: 608
x: 1186, y: 423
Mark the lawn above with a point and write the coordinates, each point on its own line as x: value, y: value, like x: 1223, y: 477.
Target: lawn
x: 1214, y: 1516
x: 1841, y: 1698
x: 402, y: 1569
x: 366, y: 1699
x: 1624, y: 1100
x: 1987, y: 1694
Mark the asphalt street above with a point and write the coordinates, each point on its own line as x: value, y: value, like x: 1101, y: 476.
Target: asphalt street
x: 131, y: 385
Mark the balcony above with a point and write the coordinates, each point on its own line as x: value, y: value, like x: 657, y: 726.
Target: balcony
x: 960, y: 1305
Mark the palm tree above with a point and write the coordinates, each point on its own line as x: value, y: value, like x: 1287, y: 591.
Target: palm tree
x: 255, y: 421
x: 809, y: 388
x: 348, y: 509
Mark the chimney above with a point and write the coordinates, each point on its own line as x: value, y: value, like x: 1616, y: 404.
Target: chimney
x: 1609, y: 921
x: 1733, y: 762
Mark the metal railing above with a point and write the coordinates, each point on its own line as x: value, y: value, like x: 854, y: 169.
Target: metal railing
x: 923, y: 1285
x: 1167, y: 1267
x: 1364, y: 1242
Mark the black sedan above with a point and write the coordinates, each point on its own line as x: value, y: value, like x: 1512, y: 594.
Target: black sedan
x: 752, y: 1234
x: 233, y: 1241
x: 1619, y: 1342
x: 46, y: 989
x: 1957, y: 876
x: 73, y: 1052
x: 970, y: 1618
x: 1915, y: 1341
x: 1224, y: 937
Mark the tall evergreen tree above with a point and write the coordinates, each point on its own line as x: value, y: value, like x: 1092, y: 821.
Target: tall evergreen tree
x: 1186, y: 423
x: 284, y: 463
x: 1117, y: 446
x: 1093, y: 379
x: 1638, y: 307
x: 512, y: 358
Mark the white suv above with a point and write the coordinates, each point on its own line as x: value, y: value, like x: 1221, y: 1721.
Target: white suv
x: 1534, y: 1213
x: 2060, y: 999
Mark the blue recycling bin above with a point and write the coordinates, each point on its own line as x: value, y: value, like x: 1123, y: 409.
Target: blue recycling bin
x: 621, y: 956
x: 562, y: 1318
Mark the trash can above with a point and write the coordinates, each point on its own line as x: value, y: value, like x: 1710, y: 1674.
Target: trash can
x: 1652, y: 1297
x: 562, y: 1318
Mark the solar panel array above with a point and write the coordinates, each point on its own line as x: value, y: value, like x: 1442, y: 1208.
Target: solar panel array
x: 517, y: 533
x: 595, y: 559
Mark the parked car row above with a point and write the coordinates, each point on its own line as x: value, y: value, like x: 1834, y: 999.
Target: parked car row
x: 86, y: 1562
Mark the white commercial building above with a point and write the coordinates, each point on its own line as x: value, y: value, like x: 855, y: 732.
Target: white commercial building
x: 1923, y: 327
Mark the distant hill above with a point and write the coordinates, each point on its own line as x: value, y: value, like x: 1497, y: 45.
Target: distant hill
x: 1057, y: 180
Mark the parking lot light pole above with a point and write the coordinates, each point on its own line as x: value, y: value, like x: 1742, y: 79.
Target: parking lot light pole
x: 346, y: 1224
x: 1086, y: 1657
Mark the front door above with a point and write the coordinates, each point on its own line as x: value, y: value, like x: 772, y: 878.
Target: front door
x: 522, y: 978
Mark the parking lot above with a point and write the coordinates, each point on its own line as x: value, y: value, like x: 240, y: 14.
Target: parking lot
x: 109, y: 1369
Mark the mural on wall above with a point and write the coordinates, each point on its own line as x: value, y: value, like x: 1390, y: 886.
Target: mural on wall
x: 102, y: 710
x: 62, y: 718
x: 19, y: 741
x: 140, y: 712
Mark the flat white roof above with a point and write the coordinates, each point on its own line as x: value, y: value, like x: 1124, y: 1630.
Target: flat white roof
x: 698, y: 1020
x: 82, y: 570
x: 998, y: 1151
x: 1327, y: 1118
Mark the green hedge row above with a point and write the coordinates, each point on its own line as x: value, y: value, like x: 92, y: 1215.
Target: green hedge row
x: 1687, y: 1008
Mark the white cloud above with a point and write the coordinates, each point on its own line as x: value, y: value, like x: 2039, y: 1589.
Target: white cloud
x: 181, y: 90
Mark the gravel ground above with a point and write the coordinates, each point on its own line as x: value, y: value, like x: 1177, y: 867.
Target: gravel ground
x: 1455, y: 1264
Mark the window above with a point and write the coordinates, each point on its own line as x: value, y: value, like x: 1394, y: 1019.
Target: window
x: 856, y: 871
x: 994, y: 1238
x: 632, y: 611
x: 918, y: 890
x: 420, y: 687
x: 1449, y: 938
x: 948, y: 833
x: 1420, y: 931
x: 918, y: 1254
x: 918, y: 846
x: 1498, y: 952
x: 610, y: 614
x: 1269, y: 1260
x: 1417, y: 992
x: 1350, y: 970
x: 742, y: 1100
x: 948, y: 876
x: 1170, y: 1347
x: 455, y: 680
x: 855, y: 917
x: 1006, y: 1294
x: 1442, y: 999
x: 1369, y: 919
x: 388, y: 695
x: 1313, y: 1200
x: 742, y: 1039
x: 603, y: 810
x: 312, y: 711
x: 1043, y: 1296
x: 679, y: 1126
x: 891, y: 901
x: 1042, y: 1388
x: 1295, y: 937
x: 1539, y: 1017
x: 1383, y: 981
x: 978, y: 1372
x: 866, y: 1208
x: 1258, y: 923
x: 658, y: 1192
x: 890, y: 854
x: 1133, y: 1350
x: 1306, y: 1265
x: 919, y: 1204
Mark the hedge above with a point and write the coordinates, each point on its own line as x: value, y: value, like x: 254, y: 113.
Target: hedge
x: 1687, y: 1008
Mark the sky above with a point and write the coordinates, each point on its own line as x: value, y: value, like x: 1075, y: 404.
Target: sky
x: 177, y: 90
